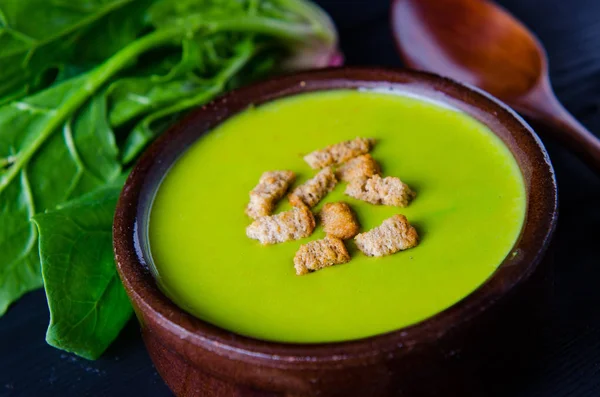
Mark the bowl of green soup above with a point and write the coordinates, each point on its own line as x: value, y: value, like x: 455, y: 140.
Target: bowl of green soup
x: 223, y: 315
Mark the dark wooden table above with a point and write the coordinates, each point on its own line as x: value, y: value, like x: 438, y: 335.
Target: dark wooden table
x: 570, y: 362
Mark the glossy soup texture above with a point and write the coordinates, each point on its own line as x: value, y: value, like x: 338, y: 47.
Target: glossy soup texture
x: 469, y: 213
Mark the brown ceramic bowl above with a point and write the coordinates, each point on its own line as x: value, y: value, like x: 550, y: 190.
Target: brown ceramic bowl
x: 199, y: 359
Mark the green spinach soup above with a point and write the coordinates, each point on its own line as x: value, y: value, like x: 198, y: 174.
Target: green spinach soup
x: 469, y: 210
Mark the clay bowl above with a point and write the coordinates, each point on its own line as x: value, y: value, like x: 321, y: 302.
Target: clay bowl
x: 198, y: 359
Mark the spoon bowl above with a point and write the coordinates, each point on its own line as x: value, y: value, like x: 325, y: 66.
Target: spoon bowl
x: 479, y: 43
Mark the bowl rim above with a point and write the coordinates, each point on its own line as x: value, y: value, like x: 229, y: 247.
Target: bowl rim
x: 538, y: 227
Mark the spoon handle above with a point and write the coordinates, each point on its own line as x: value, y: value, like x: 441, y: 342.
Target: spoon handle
x: 543, y: 107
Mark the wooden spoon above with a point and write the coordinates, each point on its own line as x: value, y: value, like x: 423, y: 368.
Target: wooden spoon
x: 477, y: 42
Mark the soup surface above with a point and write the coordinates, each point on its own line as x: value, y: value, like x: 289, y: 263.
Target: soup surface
x: 469, y: 212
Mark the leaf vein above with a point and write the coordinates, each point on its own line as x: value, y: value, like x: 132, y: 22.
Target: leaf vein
x: 33, y: 235
x: 93, y: 309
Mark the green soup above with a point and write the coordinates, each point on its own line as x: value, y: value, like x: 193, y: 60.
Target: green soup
x: 469, y: 212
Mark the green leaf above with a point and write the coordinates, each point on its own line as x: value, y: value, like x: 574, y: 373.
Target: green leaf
x: 45, y: 167
x: 135, y: 96
x: 36, y: 34
x: 54, y: 146
x: 87, y: 302
x: 307, y: 33
x: 43, y: 170
x: 20, y: 268
x: 110, y: 34
x: 149, y: 127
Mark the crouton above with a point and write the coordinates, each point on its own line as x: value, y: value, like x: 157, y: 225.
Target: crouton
x: 339, y: 153
x: 359, y: 168
x: 393, y: 235
x: 339, y: 221
x: 272, y: 186
x: 285, y: 226
x: 319, y: 254
x: 377, y: 190
x: 313, y: 190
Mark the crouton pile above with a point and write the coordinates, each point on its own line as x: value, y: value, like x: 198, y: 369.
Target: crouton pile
x: 362, y: 173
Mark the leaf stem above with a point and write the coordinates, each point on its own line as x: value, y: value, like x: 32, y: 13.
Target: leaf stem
x: 320, y: 21
x: 291, y: 32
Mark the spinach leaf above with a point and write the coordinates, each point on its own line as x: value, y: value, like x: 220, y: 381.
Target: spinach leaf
x: 146, y: 130
x: 88, y: 305
x: 55, y: 145
x: 307, y: 33
x: 44, y: 167
x: 36, y: 34
x: 110, y: 34
x: 135, y: 96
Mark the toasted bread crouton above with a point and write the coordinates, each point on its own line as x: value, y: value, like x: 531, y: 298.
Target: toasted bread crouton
x: 339, y: 153
x: 285, y: 226
x: 377, y: 190
x: 359, y: 168
x: 319, y: 254
x: 393, y: 235
x: 313, y: 190
x: 339, y: 221
x: 272, y: 185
